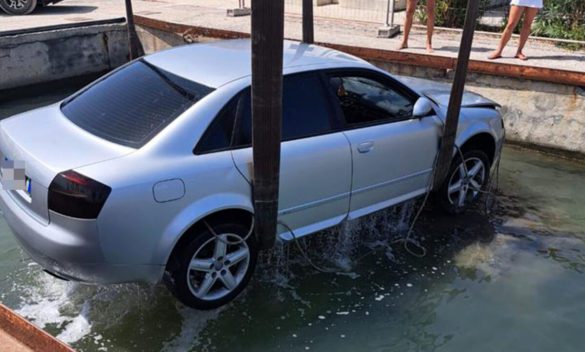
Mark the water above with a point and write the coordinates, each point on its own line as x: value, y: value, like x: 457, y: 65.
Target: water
x: 510, y: 281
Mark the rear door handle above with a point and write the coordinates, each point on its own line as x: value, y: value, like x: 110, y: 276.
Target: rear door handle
x: 365, y: 147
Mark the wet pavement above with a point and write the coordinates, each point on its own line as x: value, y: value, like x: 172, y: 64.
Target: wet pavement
x: 508, y: 281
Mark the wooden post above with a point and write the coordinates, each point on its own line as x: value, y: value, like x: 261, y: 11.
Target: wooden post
x: 18, y: 334
x: 267, y: 56
x: 452, y: 120
x: 136, y: 49
x: 308, y: 22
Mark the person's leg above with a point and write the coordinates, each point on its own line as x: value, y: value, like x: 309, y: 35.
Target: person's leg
x: 529, y: 15
x: 430, y: 24
x: 410, y: 8
x: 515, y: 14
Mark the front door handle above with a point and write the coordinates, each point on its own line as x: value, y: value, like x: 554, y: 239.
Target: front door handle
x: 365, y: 147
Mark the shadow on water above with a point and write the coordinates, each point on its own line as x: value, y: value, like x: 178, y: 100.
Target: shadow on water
x: 58, y: 9
x: 62, y: 9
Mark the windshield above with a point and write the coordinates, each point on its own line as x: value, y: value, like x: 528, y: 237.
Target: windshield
x: 134, y: 104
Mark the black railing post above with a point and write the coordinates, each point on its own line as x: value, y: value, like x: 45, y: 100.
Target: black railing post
x: 308, y: 22
x: 452, y: 120
x: 135, y: 46
x: 267, y: 56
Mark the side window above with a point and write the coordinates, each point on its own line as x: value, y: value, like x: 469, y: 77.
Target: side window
x: 218, y: 136
x: 364, y: 100
x: 307, y: 110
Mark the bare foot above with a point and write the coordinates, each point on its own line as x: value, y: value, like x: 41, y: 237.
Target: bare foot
x: 430, y: 49
x: 494, y: 55
x: 521, y: 56
x: 402, y: 46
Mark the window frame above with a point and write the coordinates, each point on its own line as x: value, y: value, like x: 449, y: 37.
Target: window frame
x: 336, y: 120
x: 235, y: 100
x: 379, y: 77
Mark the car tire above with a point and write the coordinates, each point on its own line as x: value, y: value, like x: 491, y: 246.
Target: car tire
x: 18, y: 7
x: 459, y: 191
x: 211, y: 270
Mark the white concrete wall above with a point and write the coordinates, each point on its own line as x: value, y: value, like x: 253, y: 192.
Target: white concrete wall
x: 41, y: 57
x: 536, y: 113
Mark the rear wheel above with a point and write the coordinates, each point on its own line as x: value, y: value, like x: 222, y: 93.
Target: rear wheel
x: 18, y: 7
x: 465, y: 182
x: 211, y: 270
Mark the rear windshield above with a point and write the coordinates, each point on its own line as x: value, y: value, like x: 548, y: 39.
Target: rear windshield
x: 134, y: 104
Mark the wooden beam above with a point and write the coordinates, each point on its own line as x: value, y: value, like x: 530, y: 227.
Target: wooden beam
x: 452, y: 120
x: 522, y: 71
x: 28, y: 334
x: 399, y: 57
x: 308, y: 22
x: 267, y: 56
x: 136, y: 49
x: 180, y: 28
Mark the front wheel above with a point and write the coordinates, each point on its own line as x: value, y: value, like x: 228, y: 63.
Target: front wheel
x: 465, y: 182
x: 212, y: 269
x: 18, y: 7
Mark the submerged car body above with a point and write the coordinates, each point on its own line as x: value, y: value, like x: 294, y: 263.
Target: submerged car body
x: 121, y: 171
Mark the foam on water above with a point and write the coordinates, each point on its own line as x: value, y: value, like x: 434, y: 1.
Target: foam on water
x: 46, y: 303
x: 77, y: 328
x: 69, y: 309
x: 193, y: 323
x: 73, y: 311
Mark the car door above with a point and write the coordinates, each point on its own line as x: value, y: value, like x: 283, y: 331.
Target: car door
x: 315, y: 172
x: 393, y: 152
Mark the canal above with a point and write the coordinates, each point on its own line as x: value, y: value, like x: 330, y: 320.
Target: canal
x: 508, y: 281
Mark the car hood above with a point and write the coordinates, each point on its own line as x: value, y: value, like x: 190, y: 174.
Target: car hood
x: 49, y: 143
x: 441, y: 92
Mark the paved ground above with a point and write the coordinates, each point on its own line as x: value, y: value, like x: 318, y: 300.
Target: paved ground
x: 360, y: 32
x: 10, y: 344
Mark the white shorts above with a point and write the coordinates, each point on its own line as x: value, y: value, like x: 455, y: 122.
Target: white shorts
x: 527, y: 3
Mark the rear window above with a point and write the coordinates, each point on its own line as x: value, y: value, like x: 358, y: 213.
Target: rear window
x: 134, y: 104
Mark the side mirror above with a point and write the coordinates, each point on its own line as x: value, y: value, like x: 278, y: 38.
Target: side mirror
x: 422, y: 107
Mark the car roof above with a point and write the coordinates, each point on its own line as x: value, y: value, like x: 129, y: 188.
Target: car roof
x: 217, y: 63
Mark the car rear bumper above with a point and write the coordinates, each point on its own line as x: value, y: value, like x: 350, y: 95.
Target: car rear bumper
x: 70, y: 248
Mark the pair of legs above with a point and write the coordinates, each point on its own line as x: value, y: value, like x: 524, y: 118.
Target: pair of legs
x: 515, y: 15
x: 410, y: 8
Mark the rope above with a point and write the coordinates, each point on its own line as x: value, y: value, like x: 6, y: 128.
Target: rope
x: 221, y: 239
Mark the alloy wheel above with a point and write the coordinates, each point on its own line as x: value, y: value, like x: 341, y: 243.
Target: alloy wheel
x: 17, y: 4
x: 466, y: 182
x: 218, y: 267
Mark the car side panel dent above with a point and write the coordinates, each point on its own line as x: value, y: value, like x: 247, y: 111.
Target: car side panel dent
x: 470, y: 126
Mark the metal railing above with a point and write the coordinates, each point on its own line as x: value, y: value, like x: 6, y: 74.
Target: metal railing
x: 374, y: 11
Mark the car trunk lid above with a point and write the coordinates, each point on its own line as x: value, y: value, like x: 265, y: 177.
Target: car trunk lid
x: 48, y: 143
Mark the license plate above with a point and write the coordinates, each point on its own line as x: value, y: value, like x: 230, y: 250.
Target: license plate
x: 13, y: 176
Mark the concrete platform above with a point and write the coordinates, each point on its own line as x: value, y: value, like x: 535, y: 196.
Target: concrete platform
x: 10, y: 344
x: 336, y: 25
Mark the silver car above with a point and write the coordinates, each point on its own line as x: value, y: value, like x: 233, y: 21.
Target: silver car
x: 145, y: 174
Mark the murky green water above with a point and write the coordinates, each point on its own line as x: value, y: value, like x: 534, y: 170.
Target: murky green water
x: 510, y: 281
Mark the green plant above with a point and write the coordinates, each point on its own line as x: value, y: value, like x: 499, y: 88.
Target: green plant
x: 563, y: 19
x: 449, y: 13
x: 560, y: 19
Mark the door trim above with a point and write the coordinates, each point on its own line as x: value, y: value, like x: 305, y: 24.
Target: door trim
x: 313, y: 204
x: 386, y: 183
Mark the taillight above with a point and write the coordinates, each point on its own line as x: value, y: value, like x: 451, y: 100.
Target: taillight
x: 78, y: 196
